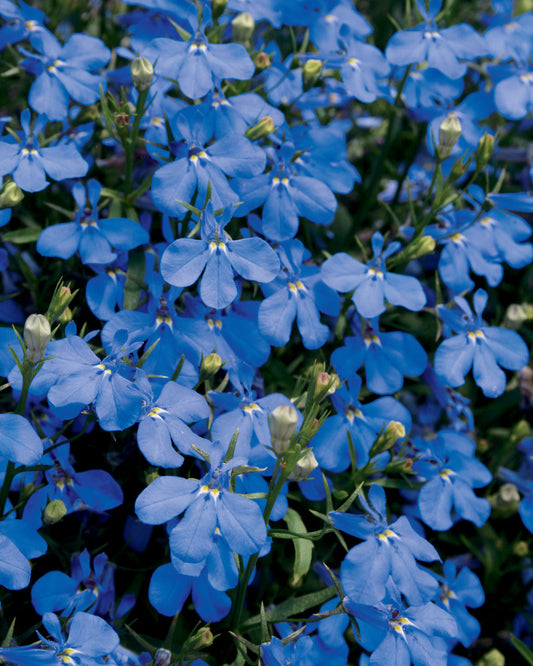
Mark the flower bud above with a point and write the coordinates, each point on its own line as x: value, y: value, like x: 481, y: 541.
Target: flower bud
x: 283, y: 422
x: 262, y: 128
x: 326, y: 384
x: 218, y: 7
x: 202, y: 639
x: 449, y: 133
x: 311, y: 69
x: 210, y: 365
x: 492, y: 658
x: 392, y: 433
x: 484, y: 150
x: 521, y: 549
x: 418, y: 248
x: 243, y: 28
x: 304, y: 466
x: 262, y: 61
x: 10, y: 195
x: 507, y: 496
x: 517, y: 315
x: 37, y: 335
x: 65, y: 317
x: 162, y: 657
x: 54, y: 512
x: 60, y: 301
x: 142, y: 73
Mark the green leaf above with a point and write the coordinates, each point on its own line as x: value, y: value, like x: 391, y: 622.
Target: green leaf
x: 303, y: 548
x: 135, y: 279
x: 19, y: 236
x: 293, y: 607
x: 523, y: 649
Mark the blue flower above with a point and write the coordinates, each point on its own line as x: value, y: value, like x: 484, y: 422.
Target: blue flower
x: 197, y: 165
x: 21, y: 21
x: 485, y: 347
x: 89, y: 234
x: 387, y: 357
x: 441, y: 49
x: 373, y: 283
x: 297, y: 293
x: 362, y: 423
x: 89, y: 640
x: 208, y: 504
x: 217, y: 257
x: 29, y: 163
x: 93, y: 490
x: 197, y: 64
x: 388, y: 550
x: 64, y: 72
x: 449, y: 464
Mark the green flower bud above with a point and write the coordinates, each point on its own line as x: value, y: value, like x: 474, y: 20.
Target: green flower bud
x: 210, y: 365
x: 517, y: 315
x: 243, y: 28
x: 142, y: 73
x: 393, y: 432
x: 37, y: 335
x: 304, y: 466
x: 418, y: 248
x: 202, y: 639
x: 65, y: 316
x: 311, y: 69
x: 54, y: 512
x: 10, y: 195
x: 449, y: 133
x: 484, y: 150
x: 283, y: 422
x: 521, y: 549
x: 218, y: 7
x: 262, y: 128
x: 60, y: 301
x: 150, y: 475
x: 492, y: 658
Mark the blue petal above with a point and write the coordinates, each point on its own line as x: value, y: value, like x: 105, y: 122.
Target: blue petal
x: 183, y: 261
x: 276, y: 315
x: 241, y: 523
x: 18, y: 440
x: 59, y: 240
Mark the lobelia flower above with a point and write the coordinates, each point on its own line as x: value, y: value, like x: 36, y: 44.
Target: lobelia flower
x: 21, y: 21
x: 197, y: 64
x: 93, y: 490
x: 88, y: 234
x: 218, y: 257
x: 362, y: 422
x: 372, y: 282
x: 29, y: 163
x: 64, y: 72
x: 297, y: 293
x: 79, y: 378
x: 199, y: 167
x: 89, y: 640
x: 449, y: 464
x: 400, y: 635
x: 387, y: 357
x: 441, y: 49
x: 286, y: 194
x: 163, y: 435
x: 486, y: 348
x: 18, y: 440
x: 388, y: 550
x: 208, y: 505
x: 88, y: 588
x: 457, y: 592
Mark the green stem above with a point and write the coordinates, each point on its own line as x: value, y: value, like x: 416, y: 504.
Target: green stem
x: 130, y: 143
x: 273, y: 493
x: 27, y: 377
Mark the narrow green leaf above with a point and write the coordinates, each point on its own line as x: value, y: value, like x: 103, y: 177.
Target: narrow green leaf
x: 523, y: 649
x: 293, y: 607
x: 303, y: 548
x: 19, y: 236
